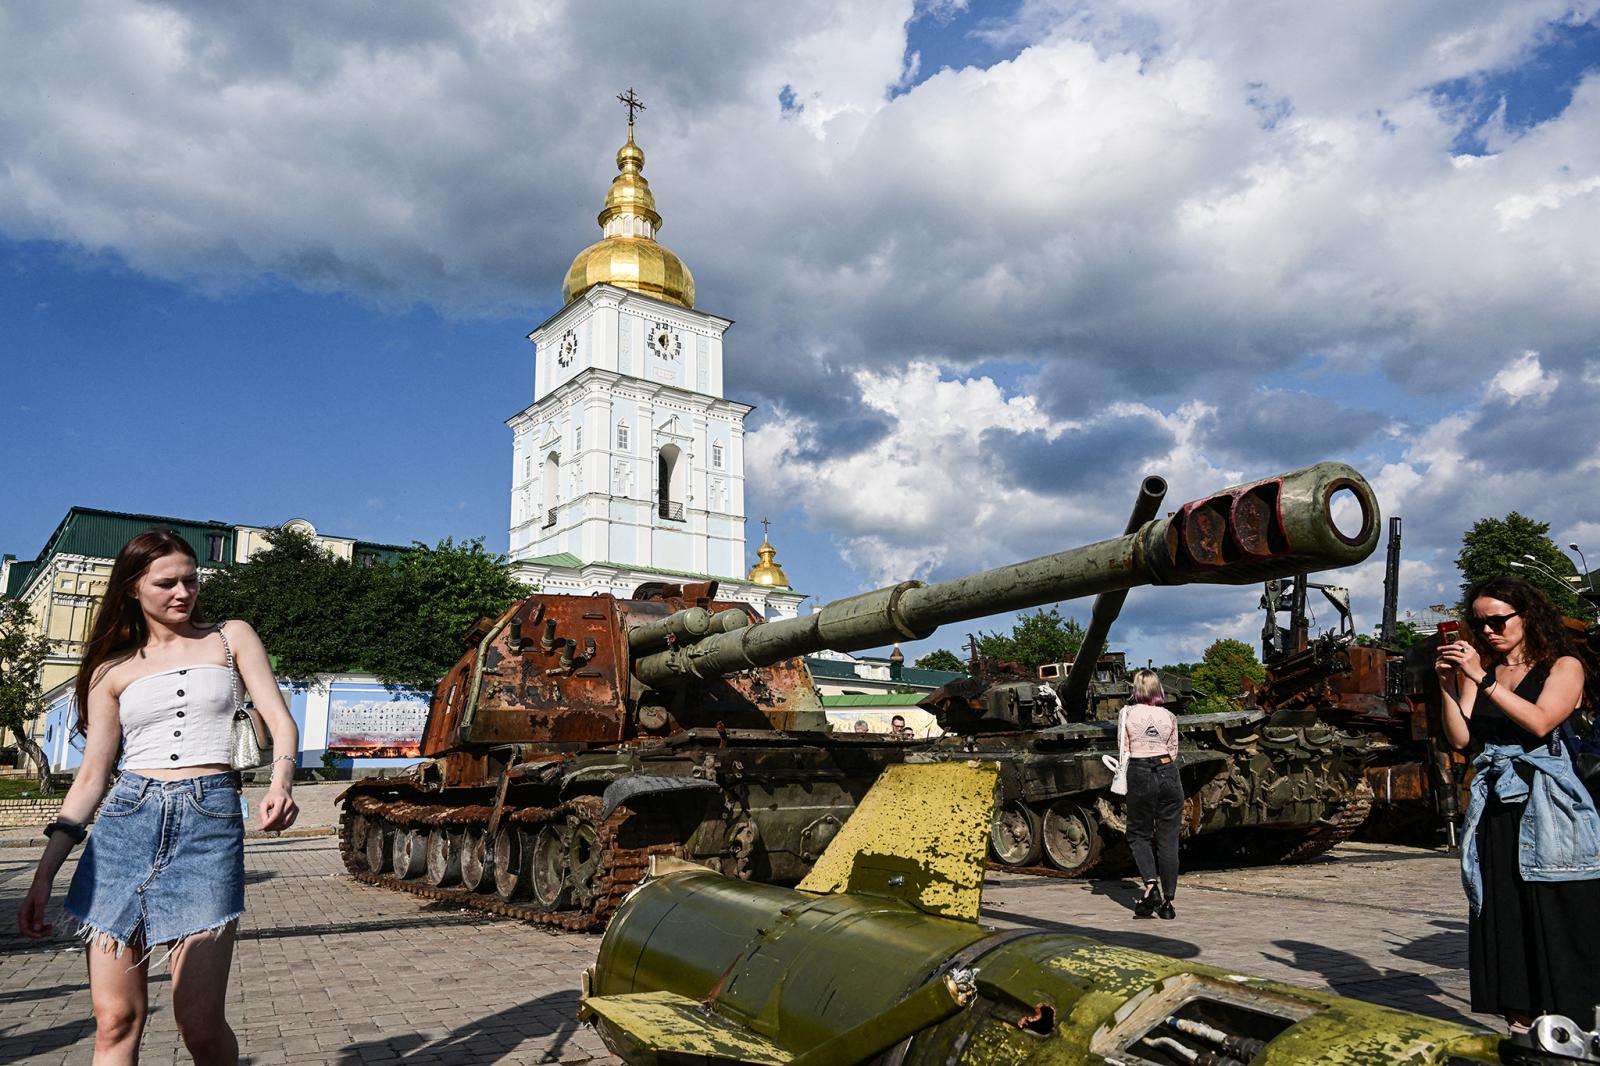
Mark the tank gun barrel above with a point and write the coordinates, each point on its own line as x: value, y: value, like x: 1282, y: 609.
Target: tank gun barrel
x: 1277, y: 526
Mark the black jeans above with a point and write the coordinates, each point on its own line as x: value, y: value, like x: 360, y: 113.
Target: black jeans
x: 1155, y: 807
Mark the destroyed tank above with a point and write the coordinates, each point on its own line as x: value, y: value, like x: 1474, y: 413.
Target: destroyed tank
x: 581, y: 735
x: 1382, y: 693
x: 1258, y: 786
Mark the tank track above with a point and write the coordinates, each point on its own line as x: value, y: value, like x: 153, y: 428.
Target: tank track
x: 621, y: 866
x: 1341, y: 827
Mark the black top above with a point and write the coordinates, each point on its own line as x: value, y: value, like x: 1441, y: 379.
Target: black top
x: 1489, y: 724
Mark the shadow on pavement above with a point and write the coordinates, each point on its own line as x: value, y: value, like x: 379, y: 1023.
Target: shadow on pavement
x: 483, y: 1040
x: 1139, y: 941
x: 55, y: 1038
x: 1351, y: 975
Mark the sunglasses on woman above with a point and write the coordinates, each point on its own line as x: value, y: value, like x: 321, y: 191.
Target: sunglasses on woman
x: 1496, y: 622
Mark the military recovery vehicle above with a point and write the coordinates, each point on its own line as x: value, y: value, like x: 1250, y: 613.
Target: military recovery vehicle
x: 1385, y: 694
x: 1264, y: 787
x: 581, y: 735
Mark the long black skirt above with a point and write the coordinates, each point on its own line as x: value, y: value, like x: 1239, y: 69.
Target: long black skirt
x: 1532, y: 948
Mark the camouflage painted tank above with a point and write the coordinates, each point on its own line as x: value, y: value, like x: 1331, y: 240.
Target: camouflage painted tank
x: 1259, y: 786
x: 581, y: 735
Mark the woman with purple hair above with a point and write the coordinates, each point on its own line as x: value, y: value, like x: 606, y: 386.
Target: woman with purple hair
x: 1147, y: 739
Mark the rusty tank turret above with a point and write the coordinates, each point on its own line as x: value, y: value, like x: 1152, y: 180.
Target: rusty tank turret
x: 580, y: 735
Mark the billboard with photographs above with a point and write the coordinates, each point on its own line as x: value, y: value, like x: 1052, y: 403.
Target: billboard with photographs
x: 371, y: 721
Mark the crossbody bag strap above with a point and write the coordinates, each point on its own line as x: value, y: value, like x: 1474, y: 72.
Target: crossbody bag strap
x: 233, y: 671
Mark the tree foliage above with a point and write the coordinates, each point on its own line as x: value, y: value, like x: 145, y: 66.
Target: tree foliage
x: 943, y: 659
x: 1492, y: 544
x: 1224, y: 667
x: 402, y: 620
x: 22, y: 656
x: 1039, y: 637
x: 1405, y: 635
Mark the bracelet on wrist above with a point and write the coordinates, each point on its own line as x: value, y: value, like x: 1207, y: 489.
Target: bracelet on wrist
x: 73, y: 830
x: 286, y: 758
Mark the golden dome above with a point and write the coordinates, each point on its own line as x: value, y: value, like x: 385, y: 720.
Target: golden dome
x: 628, y: 255
x: 767, y: 571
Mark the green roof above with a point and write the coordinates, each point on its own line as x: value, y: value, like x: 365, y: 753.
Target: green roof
x: 877, y: 699
x: 101, y: 534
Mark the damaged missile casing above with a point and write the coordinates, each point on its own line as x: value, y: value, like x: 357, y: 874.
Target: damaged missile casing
x: 879, y: 953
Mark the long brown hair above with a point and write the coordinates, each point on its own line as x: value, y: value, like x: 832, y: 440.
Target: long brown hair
x: 1544, y: 638
x: 119, y: 625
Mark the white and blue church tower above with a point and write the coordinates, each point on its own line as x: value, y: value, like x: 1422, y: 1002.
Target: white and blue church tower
x: 629, y: 464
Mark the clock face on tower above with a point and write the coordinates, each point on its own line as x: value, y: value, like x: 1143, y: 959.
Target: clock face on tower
x: 568, y: 349
x: 664, y: 342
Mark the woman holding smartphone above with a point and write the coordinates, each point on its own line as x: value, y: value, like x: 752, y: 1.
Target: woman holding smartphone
x: 165, y: 865
x: 1530, y: 844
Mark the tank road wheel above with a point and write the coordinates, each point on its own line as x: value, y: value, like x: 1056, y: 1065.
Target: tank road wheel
x: 410, y: 852
x: 548, y: 870
x: 477, y: 863
x: 511, y: 864
x: 1014, y: 835
x: 354, y: 827
x: 444, y: 856
x: 376, y: 845
x: 583, y: 859
x: 1071, y: 837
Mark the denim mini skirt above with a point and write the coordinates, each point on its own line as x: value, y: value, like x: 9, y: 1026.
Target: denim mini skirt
x: 165, y: 860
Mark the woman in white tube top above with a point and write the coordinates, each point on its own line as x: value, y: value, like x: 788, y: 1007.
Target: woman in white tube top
x: 165, y: 864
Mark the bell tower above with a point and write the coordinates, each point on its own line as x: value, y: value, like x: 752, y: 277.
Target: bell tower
x: 630, y: 460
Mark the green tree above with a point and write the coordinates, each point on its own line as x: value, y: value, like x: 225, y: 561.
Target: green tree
x: 1405, y: 635
x: 1040, y: 637
x: 402, y: 620
x: 942, y: 659
x: 1181, y: 669
x: 420, y: 606
x: 1224, y: 667
x: 1492, y: 544
x: 22, y: 656
x: 301, y: 599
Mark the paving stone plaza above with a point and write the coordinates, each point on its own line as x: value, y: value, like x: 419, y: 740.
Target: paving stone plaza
x: 331, y: 971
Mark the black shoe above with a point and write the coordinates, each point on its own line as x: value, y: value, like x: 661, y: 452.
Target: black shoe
x: 1147, y: 904
x: 1166, y: 911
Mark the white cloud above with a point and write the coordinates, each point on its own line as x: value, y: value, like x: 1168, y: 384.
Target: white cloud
x: 1172, y: 207
x: 1525, y: 378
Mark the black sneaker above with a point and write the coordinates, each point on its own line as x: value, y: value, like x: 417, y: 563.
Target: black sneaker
x: 1147, y: 904
x: 1166, y: 911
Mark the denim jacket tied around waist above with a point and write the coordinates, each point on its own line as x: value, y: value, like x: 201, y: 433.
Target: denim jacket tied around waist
x: 1559, y: 835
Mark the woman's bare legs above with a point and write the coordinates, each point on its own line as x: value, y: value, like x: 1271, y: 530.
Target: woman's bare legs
x: 200, y: 968
x: 120, y: 994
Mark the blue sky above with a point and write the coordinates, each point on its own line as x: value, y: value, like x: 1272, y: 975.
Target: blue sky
x: 258, y: 267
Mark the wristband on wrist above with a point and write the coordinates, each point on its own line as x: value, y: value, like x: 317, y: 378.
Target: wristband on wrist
x: 1486, y: 683
x: 73, y: 830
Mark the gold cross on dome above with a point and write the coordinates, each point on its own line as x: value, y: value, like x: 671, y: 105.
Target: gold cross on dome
x: 766, y: 527
x: 633, y: 103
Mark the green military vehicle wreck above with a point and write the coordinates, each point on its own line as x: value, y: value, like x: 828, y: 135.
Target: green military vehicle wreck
x: 581, y: 735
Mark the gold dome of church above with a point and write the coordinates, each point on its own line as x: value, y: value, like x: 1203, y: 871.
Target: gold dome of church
x: 628, y: 255
x: 767, y: 571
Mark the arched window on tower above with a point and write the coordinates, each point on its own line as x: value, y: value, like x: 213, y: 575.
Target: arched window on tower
x: 552, y: 488
x: 669, y: 482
